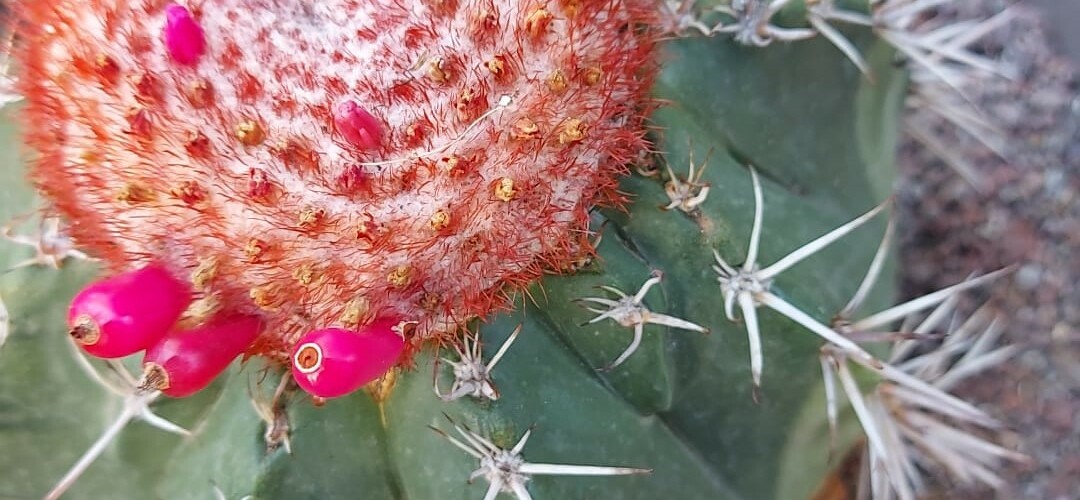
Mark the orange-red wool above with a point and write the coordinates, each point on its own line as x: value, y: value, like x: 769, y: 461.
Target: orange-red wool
x: 233, y: 172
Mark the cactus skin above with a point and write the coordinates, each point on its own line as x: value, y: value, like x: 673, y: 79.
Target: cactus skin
x: 681, y: 404
x: 336, y: 167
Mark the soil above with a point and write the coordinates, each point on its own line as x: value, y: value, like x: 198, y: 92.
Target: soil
x: 1026, y: 212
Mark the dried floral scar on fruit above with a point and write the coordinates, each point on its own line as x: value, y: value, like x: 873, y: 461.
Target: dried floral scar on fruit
x: 254, y: 172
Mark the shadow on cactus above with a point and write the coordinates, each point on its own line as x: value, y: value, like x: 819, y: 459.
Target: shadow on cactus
x: 458, y: 249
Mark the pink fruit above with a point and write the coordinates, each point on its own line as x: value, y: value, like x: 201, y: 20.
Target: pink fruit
x: 182, y: 35
x: 334, y: 362
x: 357, y: 125
x: 186, y: 361
x: 126, y: 313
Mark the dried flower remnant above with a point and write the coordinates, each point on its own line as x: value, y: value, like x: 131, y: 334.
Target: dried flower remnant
x: 686, y: 194
x: 273, y: 410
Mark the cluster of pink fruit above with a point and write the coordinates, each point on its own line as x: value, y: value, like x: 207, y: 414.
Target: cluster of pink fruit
x: 138, y: 310
x: 414, y: 160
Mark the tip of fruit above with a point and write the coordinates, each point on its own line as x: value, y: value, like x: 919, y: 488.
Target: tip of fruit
x: 85, y: 331
x: 154, y: 378
x: 308, y: 357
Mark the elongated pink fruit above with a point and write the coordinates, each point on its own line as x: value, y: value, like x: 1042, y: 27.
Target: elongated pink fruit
x: 182, y: 35
x: 334, y: 362
x: 186, y: 361
x: 126, y: 313
x: 357, y: 125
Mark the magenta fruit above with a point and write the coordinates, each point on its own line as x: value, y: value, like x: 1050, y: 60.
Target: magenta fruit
x: 126, y: 313
x: 334, y: 362
x: 182, y: 35
x: 357, y: 125
x: 186, y: 361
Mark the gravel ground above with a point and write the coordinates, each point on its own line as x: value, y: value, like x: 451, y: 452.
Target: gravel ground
x: 1026, y: 212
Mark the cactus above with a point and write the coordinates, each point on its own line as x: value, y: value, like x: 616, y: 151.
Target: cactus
x: 551, y: 241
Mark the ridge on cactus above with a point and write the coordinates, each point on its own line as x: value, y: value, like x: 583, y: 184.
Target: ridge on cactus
x: 358, y: 161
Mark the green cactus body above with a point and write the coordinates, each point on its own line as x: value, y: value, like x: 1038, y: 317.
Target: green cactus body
x: 678, y: 418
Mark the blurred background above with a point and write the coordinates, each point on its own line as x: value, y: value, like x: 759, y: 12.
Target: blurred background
x: 1026, y: 210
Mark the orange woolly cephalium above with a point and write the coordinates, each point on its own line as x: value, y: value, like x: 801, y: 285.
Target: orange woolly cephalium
x: 322, y: 164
